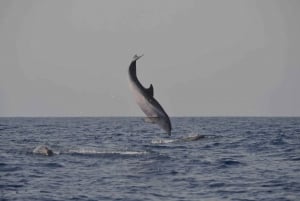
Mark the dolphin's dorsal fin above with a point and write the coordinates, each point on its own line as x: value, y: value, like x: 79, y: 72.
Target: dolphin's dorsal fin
x: 150, y: 90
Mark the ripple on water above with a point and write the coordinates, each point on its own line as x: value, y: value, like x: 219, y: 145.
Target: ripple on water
x: 4, y: 167
x: 229, y: 163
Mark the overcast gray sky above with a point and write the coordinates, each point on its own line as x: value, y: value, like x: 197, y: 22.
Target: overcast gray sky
x: 70, y: 58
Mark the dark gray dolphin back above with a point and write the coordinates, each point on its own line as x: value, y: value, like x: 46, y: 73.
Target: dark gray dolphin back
x: 146, y: 101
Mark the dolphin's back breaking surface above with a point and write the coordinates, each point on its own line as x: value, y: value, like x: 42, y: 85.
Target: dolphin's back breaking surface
x: 144, y: 97
x: 43, y: 150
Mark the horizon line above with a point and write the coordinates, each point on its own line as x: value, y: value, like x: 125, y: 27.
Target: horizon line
x: 135, y: 116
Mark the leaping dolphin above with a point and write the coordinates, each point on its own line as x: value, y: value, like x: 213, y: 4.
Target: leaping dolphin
x: 144, y: 98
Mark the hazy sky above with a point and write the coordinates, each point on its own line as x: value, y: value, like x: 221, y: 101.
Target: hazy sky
x: 70, y: 58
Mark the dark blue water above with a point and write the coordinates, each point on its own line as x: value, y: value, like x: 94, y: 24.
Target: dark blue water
x: 127, y: 159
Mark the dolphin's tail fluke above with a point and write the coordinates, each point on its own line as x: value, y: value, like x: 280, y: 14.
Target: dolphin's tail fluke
x: 136, y: 57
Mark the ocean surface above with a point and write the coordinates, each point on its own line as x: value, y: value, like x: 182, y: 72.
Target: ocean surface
x: 240, y: 158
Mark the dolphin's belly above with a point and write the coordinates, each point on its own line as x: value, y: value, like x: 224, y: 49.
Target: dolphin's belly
x: 149, y: 109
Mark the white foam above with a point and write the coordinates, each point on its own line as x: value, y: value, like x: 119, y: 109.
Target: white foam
x: 162, y: 141
x: 191, y: 137
x: 95, y: 151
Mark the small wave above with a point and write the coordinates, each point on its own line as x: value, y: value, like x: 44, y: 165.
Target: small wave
x: 105, y: 152
x: 226, y: 163
x: 216, y: 185
x: 295, y: 159
x: 51, y: 165
x: 9, y: 168
x: 7, y: 186
x: 231, y: 162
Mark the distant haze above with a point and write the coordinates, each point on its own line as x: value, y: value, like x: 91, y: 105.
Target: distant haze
x: 204, y: 58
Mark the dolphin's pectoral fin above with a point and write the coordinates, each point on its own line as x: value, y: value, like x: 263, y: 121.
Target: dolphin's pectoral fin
x: 150, y: 90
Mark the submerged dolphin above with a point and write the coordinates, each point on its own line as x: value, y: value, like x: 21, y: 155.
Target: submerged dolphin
x: 144, y: 98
